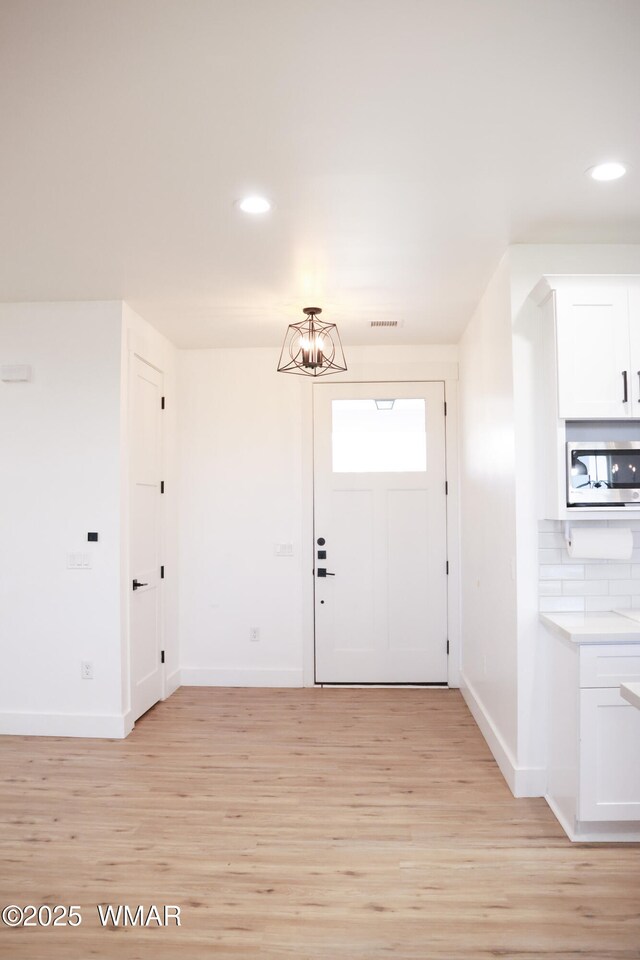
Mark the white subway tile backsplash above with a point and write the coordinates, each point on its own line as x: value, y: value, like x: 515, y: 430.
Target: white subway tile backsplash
x: 549, y: 540
x: 561, y: 571
x: 550, y: 556
x: 584, y: 588
x: 620, y: 587
x: 586, y: 560
x: 608, y: 571
x: 550, y: 588
x: 561, y: 604
x: 598, y: 604
x: 592, y: 585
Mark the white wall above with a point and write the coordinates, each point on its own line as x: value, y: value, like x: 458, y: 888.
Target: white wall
x: 240, y: 492
x: 60, y: 479
x: 488, y: 531
x: 245, y: 485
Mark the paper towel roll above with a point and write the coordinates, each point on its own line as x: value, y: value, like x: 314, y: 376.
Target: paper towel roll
x: 600, y: 543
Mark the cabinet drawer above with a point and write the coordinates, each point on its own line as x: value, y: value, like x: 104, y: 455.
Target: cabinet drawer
x: 609, y: 665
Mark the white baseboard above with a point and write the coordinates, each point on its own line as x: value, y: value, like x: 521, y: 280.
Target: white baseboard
x: 101, y: 726
x: 240, y: 678
x: 522, y: 781
x: 172, y: 682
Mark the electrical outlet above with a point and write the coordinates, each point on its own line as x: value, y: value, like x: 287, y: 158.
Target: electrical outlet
x: 254, y: 633
x: 86, y: 669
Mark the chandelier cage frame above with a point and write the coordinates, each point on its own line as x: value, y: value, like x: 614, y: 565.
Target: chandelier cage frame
x: 312, y: 348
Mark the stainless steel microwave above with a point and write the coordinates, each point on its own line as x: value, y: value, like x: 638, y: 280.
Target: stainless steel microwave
x: 603, y: 474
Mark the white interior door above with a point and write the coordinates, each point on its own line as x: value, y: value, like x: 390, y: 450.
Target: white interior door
x: 380, y: 533
x: 144, y: 609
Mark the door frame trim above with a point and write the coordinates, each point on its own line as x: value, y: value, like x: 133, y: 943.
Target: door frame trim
x: 426, y: 372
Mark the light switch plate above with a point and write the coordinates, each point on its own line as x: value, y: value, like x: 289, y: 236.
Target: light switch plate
x: 284, y: 549
x: 15, y: 373
x: 78, y: 561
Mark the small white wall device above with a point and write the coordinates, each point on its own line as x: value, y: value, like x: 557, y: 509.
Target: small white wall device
x: 15, y: 373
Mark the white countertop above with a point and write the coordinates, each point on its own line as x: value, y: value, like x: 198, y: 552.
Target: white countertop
x: 633, y: 614
x: 631, y: 692
x: 623, y: 627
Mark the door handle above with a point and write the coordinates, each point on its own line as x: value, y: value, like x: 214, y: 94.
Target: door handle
x: 625, y: 387
x: 136, y: 584
x: 323, y: 572
x: 639, y: 384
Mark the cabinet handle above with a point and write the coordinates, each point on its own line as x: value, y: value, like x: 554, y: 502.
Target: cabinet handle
x: 625, y: 387
x: 639, y: 385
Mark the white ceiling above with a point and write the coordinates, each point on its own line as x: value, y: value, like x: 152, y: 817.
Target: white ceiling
x: 404, y: 144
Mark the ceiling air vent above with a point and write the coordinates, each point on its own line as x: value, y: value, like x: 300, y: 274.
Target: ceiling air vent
x: 386, y: 323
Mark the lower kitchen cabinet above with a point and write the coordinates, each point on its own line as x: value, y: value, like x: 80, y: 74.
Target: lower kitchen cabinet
x: 593, y: 740
x: 609, y: 762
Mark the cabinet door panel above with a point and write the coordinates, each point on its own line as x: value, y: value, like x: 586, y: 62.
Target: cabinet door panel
x: 609, y: 757
x: 593, y: 352
x: 634, y: 330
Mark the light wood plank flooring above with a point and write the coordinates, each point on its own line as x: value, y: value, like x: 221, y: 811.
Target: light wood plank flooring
x: 302, y: 825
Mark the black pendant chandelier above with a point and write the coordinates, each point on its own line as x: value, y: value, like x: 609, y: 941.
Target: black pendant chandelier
x: 312, y: 348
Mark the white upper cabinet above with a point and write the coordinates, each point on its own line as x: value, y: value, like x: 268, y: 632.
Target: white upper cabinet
x: 634, y: 339
x: 598, y: 350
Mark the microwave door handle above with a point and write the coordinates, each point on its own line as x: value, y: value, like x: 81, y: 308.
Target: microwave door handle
x: 625, y: 387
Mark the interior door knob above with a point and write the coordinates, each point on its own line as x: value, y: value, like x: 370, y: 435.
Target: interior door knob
x: 136, y: 584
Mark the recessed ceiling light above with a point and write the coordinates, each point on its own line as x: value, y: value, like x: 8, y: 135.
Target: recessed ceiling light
x: 612, y: 170
x: 255, y: 205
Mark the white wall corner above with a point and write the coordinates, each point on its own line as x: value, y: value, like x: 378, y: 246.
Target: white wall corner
x: 522, y: 781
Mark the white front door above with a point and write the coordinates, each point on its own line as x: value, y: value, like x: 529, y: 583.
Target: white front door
x: 145, y: 492
x: 380, y: 533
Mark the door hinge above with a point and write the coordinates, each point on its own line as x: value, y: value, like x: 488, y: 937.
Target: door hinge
x: 447, y: 648
x: 162, y: 486
x: 445, y: 408
x: 162, y: 403
x: 446, y: 488
x: 447, y: 568
x: 162, y: 572
x: 162, y: 656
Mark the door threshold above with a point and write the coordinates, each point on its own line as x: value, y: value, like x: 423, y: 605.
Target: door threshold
x: 385, y: 686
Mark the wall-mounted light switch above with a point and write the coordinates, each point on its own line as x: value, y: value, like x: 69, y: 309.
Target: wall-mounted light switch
x: 15, y: 373
x: 284, y: 549
x: 78, y: 561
